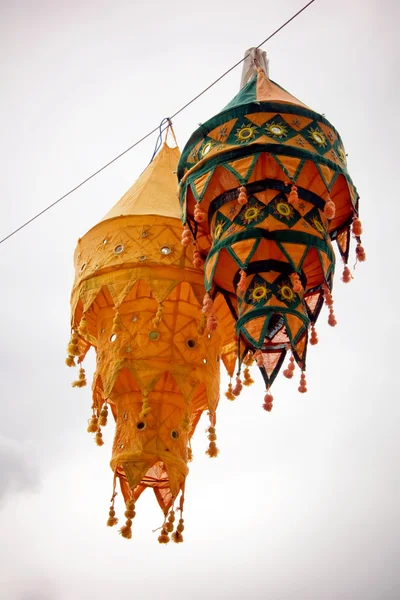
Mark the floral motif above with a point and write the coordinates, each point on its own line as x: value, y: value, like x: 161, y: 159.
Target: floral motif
x: 277, y: 129
x: 317, y: 137
x: 252, y: 213
x: 245, y: 133
x: 259, y: 293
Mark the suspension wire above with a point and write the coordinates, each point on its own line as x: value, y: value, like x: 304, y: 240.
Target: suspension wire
x: 159, y: 128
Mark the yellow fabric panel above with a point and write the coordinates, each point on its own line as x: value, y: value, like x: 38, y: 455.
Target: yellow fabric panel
x: 137, y: 298
x: 155, y: 192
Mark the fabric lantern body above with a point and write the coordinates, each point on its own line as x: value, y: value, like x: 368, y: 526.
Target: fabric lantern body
x: 269, y: 177
x: 137, y: 300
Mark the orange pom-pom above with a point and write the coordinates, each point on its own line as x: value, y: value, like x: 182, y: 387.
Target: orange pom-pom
x: 197, y: 260
x: 186, y: 237
x: 313, y: 337
x: 238, y: 387
x: 357, y: 227
x: 360, y: 253
x: 296, y: 283
x: 199, y: 215
x: 288, y: 374
x: 229, y: 393
x: 302, y: 387
x: 242, y: 282
x: 331, y: 319
x: 293, y: 196
x: 347, y: 276
x: 330, y: 209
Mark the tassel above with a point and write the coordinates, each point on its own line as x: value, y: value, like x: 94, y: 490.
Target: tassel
x: 158, y: 317
x: 303, y: 385
x: 242, y: 282
x: 330, y: 209
x: 103, y: 415
x: 249, y: 359
x: 126, y: 530
x: 169, y: 526
x: 93, y: 425
x: 202, y: 325
x: 296, y: 283
x: 116, y: 324
x: 199, y: 214
x: 186, y: 422
x: 197, y: 260
x: 356, y: 227
x: 229, y: 393
x: 293, y: 196
x: 73, y: 346
x: 189, y: 454
x: 288, y: 373
x: 329, y: 302
x: 258, y: 355
x: 268, y: 400
x: 347, y: 276
x: 186, y: 237
x: 207, y: 303
x: 70, y: 361
x: 163, y: 538
x: 177, y: 535
x: 212, y: 449
x: 81, y: 381
x: 247, y: 380
x: 360, y: 253
x: 146, y: 408
x: 208, y: 308
x: 83, y: 327
x: 99, y: 438
x: 112, y: 519
x: 313, y: 337
x: 242, y: 197
x: 238, y: 386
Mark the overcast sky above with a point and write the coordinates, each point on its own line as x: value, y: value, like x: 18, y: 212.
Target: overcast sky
x: 302, y: 503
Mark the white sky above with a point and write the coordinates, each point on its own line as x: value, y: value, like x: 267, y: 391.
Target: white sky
x: 302, y: 503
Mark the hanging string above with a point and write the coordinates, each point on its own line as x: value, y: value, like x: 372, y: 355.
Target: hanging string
x: 166, y: 121
x: 74, y: 189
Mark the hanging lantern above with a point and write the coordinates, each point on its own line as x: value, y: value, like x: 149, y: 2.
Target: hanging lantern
x: 137, y: 299
x: 264, y: 189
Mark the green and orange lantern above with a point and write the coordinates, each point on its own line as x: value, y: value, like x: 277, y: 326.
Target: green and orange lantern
x: 264, y: 191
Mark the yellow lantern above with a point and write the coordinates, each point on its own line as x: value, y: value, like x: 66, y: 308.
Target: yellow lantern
x: 137, y: 299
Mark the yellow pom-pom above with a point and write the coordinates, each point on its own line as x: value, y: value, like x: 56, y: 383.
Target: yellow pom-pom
x: 180, y: 526
x: 69, y: 361
x: 247, y: 380
x: 169, y: 527
x: 164, y: 537
x: 103, y: 416
x: 99, y: 438
x: 189, y: 454
x: 130, y: 513
x: 83, y: 327
x: 229, y: 393
x: 93, y: 425
x: 177, y: 537
x: 126, y: 530
x: 212, y: 450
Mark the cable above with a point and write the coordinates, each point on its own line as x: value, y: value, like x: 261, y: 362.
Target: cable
x: 158, y: 128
